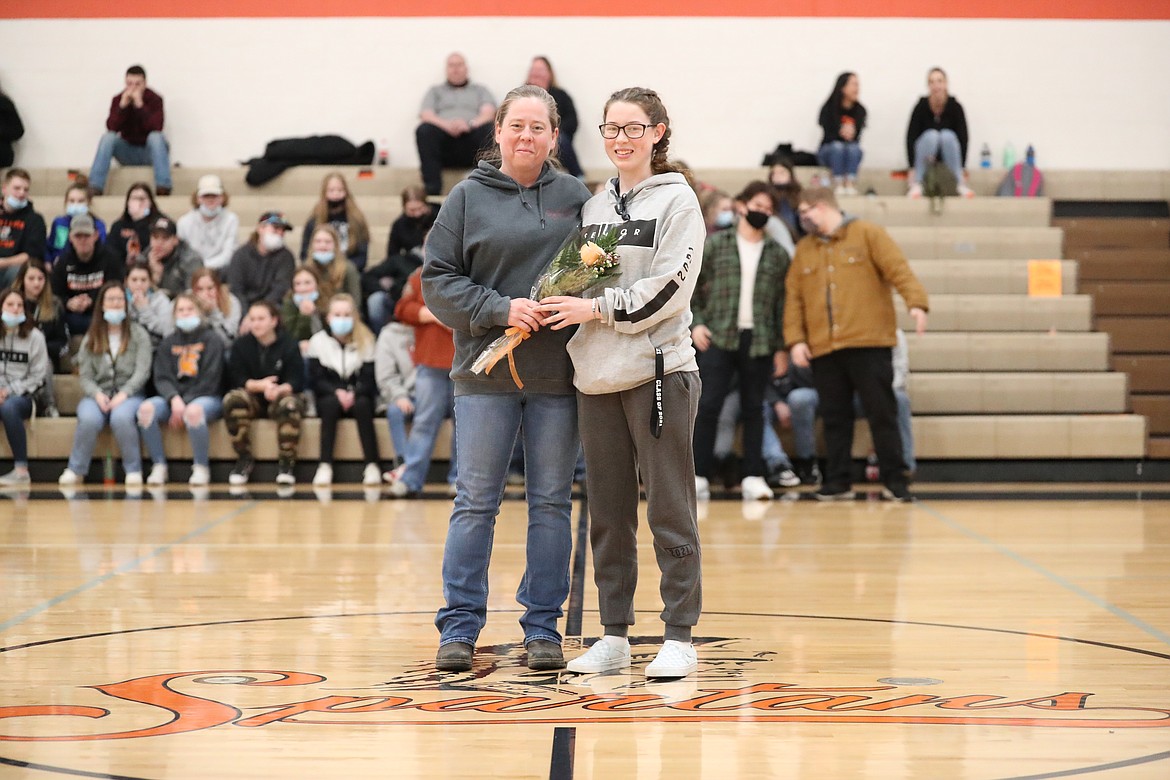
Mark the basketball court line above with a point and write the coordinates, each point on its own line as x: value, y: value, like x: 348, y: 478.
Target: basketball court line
x: 1048, y: 574
x: 124, y: 568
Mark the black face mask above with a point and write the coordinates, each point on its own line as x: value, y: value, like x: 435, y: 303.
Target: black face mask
x: 757, y: 219
x: 783, y: 187
x: 336, y: 204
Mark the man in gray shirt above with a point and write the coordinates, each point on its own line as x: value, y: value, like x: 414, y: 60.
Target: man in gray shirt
x: 457, y: 122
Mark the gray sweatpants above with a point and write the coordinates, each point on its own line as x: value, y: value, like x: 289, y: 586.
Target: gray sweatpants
x: 615, y: 431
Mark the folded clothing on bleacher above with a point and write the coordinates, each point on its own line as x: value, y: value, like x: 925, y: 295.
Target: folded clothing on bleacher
x: 284, y: 153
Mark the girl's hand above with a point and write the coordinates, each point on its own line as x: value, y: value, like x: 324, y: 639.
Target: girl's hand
x: 561, y: 311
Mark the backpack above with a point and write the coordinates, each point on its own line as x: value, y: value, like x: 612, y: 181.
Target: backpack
x: 1022, y: 181
x: 937, y: 183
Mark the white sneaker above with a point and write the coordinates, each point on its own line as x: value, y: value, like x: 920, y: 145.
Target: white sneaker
x: 371, y: 475
x: 158, y: 474
x: 133, y: 479
x: 915, y: 191
x: 851, y: 190
x: 965, y: 191
x: 68, y: 477
x: 702, y: 488
x: 324, y: 475
x: 15, y: 477
x: 609, y: 652
x: 200, y: 475
x: 755, y: 489
x: 675, y: 659
x: 787, y: 478
x: 394, y: 474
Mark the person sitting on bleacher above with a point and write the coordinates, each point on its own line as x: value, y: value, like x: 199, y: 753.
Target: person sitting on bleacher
x: 209, y: 227
x: 304, y: 307
x: 81, y: 271
x: 188, y: 368
x: 148, y: 306
x: 383, y: 283
x: 395, y: 372
x: 338, y: 274
x: 114, y: 363
x: 842, y: 120
x: 341, y: 373
x: 792, y: 404
x: 78, y: 201
x: 171, y: 261
x: 221, y: 308
x: 262, y: 269
x: 782, y: 177
x: 268, y: 375
x: 338, y: 208
x: 458, y: 118
x: 130, y: 233
x: 44, y: 309
x: 22, y: 229
x: 937, y: 131
x: 134, y: 134
x: 24, y: 367
x: 540, y: 73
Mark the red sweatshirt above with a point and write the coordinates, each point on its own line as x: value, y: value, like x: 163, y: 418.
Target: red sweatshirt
x: 133, y: 123
x: 433, y: 344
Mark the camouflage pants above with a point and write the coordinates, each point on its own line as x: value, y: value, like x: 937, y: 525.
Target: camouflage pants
x: 240, y: 408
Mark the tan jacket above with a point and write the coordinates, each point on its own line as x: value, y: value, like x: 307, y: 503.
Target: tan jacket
x: 838, y: 289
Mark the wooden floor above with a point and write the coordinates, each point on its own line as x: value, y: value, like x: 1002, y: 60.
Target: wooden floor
x: 1015, y: 635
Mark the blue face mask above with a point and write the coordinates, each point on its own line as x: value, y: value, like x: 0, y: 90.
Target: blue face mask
x: 13, y: 320
x: 725, y: 218
x: 15, y: 204
x: 324, y: 258
x: 299, y: 298
x: 341, y: 326
x: 114, y: 316
x: 77, y: 209
x: 187, y: 324
x: 211, y: 212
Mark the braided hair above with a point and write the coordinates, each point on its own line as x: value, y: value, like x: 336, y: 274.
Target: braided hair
x: 648, y: 101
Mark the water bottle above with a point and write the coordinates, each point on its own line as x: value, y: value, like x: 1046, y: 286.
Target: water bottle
x: 985, y: 157
x: 1009, y: 155
x: 1030, y: 156
x: 108, y: 471
x: 383, y: 153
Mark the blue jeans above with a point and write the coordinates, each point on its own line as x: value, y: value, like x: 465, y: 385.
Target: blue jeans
x: 773, y: 450
x: 378, y: 307
x: 803, y: 402
x: 488, y: 431
x: 397, y: 420
x: 156, y: 153
x: 200, y: 434
x: 18, y: 408
x: 840, y: 157
x: 938, y: 145
x: 434, y: 394
x: 123, y: 421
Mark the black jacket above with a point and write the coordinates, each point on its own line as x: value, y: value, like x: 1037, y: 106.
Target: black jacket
x: 11, y: 130
x: 922, y: 119
x: 71, y: 277
x: 281, y: 359
x: 22, y: 231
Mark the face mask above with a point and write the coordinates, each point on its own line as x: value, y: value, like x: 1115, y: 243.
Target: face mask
x: 336, y: 204
x: 14, y: 204
x: 114, y: 316
x: 187, y: 324
x: 145, y: 213
x: 210, y: 211
x: 725, y: 218
x: 808, y: 226
x: 77, y: 209
x: 783, y: 187
x: 341, y: 326
x: 324, y: 258
x: 299, y: 298
x: 12, y: 320
x: 757, y: 219
x: 272, y: 241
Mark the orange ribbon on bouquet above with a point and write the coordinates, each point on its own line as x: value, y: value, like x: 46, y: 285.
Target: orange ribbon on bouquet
x: 515, y: 338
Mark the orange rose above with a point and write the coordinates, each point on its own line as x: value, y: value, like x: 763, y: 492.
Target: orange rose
x: 591, y: 254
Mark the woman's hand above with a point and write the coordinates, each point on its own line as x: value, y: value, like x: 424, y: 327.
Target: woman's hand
x: 345, y: 398
x: 177, y: 409
x: 405, y: 405
x: 564, y: 310
x: 103, y: 402
x: 525, y: 314
x: 116, y: 401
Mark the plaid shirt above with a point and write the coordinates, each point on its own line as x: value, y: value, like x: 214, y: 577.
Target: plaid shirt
x: 716, y: 299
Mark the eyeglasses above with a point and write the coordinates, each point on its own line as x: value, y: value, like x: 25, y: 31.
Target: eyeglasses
x: 633, y: 130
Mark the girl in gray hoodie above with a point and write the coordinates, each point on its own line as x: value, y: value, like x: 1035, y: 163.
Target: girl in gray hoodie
x: 24, y: 367
x: 638, y: 384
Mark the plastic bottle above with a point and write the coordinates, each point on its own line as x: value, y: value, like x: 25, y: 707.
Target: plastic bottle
x: 108, y: 471
x: 1009, y: 155
x: 985, y: 157
x: 1030, y: 156
x: 383, y: 153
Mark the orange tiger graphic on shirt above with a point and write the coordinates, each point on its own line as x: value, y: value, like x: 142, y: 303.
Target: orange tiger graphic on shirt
x: 188, y: 355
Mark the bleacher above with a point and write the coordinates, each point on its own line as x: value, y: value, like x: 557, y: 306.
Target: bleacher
x: 997, y: 376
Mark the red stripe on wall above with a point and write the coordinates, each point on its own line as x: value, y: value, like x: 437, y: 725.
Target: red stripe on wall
x: 926, y: 9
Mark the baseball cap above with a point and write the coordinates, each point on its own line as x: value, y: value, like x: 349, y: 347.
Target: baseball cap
x: 275, y: 218
x: 164, y: 225
x: 209, y: 184
x: 82, y: 225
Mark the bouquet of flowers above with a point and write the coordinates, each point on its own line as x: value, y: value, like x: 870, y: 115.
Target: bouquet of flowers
x: 578, y: 266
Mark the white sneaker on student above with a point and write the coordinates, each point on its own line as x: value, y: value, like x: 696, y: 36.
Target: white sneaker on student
x: 675, y: 659
x: 324, y: 475
x: 200, y: 475
x: 965, y: 191
x: 158, y: 474
x: 372, y: 475
x: 702, y: 488
x: 755, y: 489
x: 16, y: 477
x: 609, y: 652
x: 69, y: 477
x: 133, y: 479
x: 915, y: 191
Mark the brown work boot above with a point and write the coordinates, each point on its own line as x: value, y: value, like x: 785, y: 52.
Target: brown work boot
x: 454, y: 657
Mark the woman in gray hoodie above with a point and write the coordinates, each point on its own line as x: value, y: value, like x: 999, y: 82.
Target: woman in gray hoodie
x: 638, y: 384
x: 24, y: 367
x: 496, y: 232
